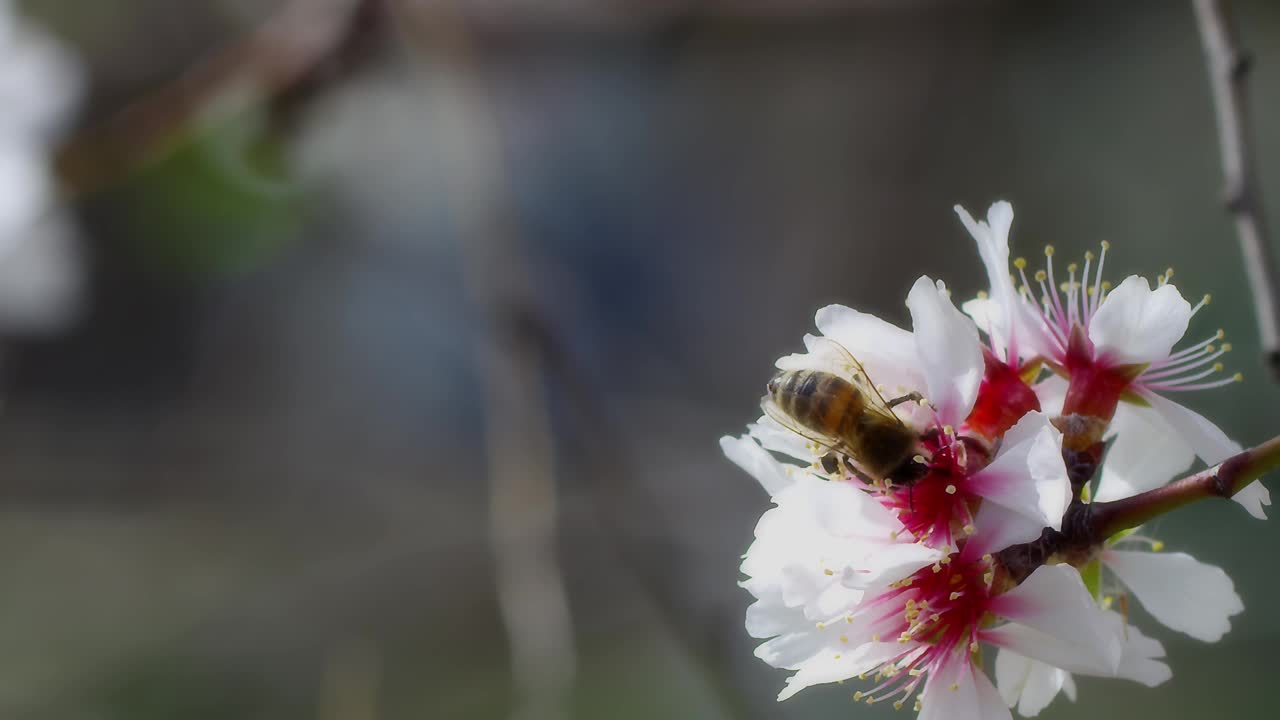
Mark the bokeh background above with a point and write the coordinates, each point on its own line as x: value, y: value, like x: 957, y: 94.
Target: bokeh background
x: 379, y: 325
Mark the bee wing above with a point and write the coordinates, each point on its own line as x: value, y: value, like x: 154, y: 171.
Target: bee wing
x: 853, y: 371
x: 781, y: 417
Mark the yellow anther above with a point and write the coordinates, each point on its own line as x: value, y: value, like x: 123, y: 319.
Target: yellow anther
x: 1041, y: 275
x: 956, y: 595
x: 957, y: 579
x: 836, y: 656
x: 1064, y: 287
x: 948, y: 430
x: 1072, y: 267
x: 1091, y: 291
x: 1207, y: 298
x: 848, y: 619
x: 915, y: 672
x: 897, y: 705
x: 1168, y: 273
x: 1157, y: 545
x: 982, y: 294
x: 918, y: 458
x: 953, y: 687
x: 1238, y: 377
x: 951, y: 489
x: 1209, y: 349
x: 1220, y: 334
x: 1048, y: 251
x: 1105, y: 245
x: 1107, y: 602
x: 973, y: 646
x: 989, y: 577
x: 969, y: 529
x: 1218, y: 367
x: 1226, y: 347
x: 1106, y: 285
x: 937, y: 568
x: 946, y: 560
x: 844, y: 638
x: 857, y: 696
x: 822, y: 626
x: 828, y: 572
x: 987, y: 558
x: 875, y: 637
x: 1020, y: 263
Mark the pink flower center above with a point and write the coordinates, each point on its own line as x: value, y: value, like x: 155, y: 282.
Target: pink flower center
x: 939, y: 611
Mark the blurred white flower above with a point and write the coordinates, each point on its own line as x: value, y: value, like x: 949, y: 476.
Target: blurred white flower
x: 40, y: 265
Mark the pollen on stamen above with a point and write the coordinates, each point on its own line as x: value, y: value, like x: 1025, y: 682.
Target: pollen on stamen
x: 1020, y: 263
x: 1041, y: 276
x: 969, y: 529
x: 1157, y: 545
x: 1238, y: 377
x: 1226, y: 347
x: 951, y: 489
x: 1048, y: 251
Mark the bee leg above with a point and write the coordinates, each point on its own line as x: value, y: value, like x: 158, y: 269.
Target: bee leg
x: 909, y: 397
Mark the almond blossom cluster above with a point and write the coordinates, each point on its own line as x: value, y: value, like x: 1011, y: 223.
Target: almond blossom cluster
x: 917, y: 587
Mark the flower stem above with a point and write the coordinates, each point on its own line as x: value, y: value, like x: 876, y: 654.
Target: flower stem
x: 1223, y: 480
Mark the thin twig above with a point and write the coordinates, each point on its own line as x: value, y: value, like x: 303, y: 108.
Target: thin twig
x: 1228, y: 66
x: 532, y: 596
x: 276, y: 58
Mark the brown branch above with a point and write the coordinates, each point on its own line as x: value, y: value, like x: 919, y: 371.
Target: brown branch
x: 1223, y: 481
x: 1228, y: 66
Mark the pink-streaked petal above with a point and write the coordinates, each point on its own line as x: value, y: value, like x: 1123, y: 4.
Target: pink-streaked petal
x: 747, y: 454
x: 1054, y: 602
x: 1183, y: 593
x: 949, y: 351
x: 1028, y: 475
x: 1145, y: 453
x: 1136, y: 324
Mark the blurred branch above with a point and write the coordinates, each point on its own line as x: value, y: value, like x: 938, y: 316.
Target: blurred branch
x: 523, y: 512
x: 282, y: 59
x: 1228, y: 67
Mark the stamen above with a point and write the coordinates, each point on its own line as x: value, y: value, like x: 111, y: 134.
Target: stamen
x: 1203, y: 301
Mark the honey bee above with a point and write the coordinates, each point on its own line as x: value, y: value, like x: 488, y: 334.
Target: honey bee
x: 847, y: 416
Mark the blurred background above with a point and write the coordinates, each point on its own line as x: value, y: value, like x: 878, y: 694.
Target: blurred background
x: 367, y: 359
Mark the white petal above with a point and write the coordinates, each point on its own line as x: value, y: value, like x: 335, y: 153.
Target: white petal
x: 891, y: 563
x: 1183, y: 593
x: 747, y: 454
x: 948, y: 348
x: 1029, y: 684
x: 833, y: 666
x: 1027, y: 474
x: 1145, y: 453
x: 1136, y: 324
x: 998, y: 528
x: 1139, y: 659
x: 1254, y: 497
x: 992, y: 238
x: 776, y: 438
x: 1210, y: 444
x: 959, y: 691
x: 1012, y: 670
x: 886, y: 351
x: 1052, y: 393
x: 1054, y: 602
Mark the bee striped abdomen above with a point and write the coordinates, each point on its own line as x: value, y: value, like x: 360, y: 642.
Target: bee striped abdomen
x: 819, y: 400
